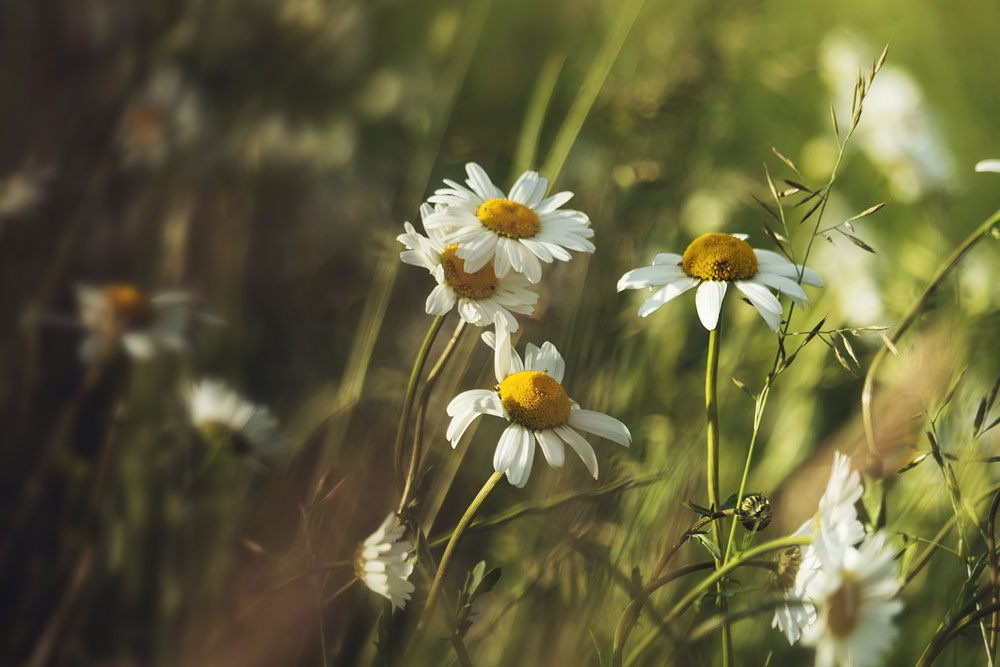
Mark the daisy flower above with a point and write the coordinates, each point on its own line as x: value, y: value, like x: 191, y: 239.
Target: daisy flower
x: 836, y: 522
x: 384, y: 565
x: 530, y: 396
x: 165, y: 115
x: 480, y: 295
x: 22, y: 190
x: 222, y: 415
x: 142, y: 324
x: 711, y: 263
x: 853, y: 593
x: 514, y: 231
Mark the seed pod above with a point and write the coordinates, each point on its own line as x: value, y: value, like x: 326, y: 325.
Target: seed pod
x: 755, y: 512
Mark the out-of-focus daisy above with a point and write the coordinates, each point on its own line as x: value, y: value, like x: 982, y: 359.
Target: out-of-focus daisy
x: 836, y: 522
x: 515, y: 230
x: 224, y: 417
x: 988, y: 165
x: 22, y: 190
x: 142, y: 324
x: 853, y: 593
x: 383, y: 562
x: 531, y: 397
x: 711, y: 262
x: 166, y: 114
x: 480, y: 295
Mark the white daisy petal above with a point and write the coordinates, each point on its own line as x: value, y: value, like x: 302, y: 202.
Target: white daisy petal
x: 665, y: 294
x: 988, y: 165
x: 648, y: 276
x: 786, y: 285
x: 385, y: 565
x: 519, y: 468
x: 555, y: 201
x: 480, y: 182
x: 601, y: 425
x: 552, y: 447
x: 529, y: 189
x: 708, y: 300
x: 667, y: 259
x: 579, y: 445
x: 507, y: 448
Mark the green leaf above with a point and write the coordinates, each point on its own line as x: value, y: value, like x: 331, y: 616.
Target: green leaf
x: 710, y: 546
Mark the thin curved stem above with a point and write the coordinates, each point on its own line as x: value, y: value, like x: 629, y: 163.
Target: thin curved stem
x: 416, y: 453
x: 910, y: 317
x: 411, y: 390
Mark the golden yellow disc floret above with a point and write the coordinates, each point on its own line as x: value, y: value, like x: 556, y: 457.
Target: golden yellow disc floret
x: 845, y: 607
x: 129, y: 307
x: 509, y: 218
x: 719, y: 257
x: 534, y: 399
x: 478, y: 285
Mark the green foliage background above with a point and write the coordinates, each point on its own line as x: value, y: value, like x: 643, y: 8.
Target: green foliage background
x: 321, y: 126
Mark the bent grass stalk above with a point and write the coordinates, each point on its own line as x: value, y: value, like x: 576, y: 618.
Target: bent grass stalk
x: 411, y: 390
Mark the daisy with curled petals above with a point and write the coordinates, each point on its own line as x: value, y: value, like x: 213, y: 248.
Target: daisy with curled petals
x: 530, y: 396
x: 224, y: 417
x: 480, y: 295
x: 384, y: 564
x: 835, y: 522
x: 711, y: 263
x: 516, y: 231
x: 854, y: 593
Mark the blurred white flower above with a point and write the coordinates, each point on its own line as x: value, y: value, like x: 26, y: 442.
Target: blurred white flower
x: 711, y: 262
x: 988, y: 165
x: 141, y: 324
x: 223, y: 416
x: 514, y: 231
x: 383, y: 563
x: 481, y: 296
x: 836, y: 523
x: 897, y: 131
x: 531, y: 398
x: 853, y: 593
x: 22, y: 190
x: 164, y: 116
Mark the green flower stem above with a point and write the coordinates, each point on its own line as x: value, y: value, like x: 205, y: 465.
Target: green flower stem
x: 416, y: 453
x: 712, y: 439
x: 910, y: 317
x: 743, y: 558
x: 449, y: 550
x: 411, y: 390
x: 758, y: 414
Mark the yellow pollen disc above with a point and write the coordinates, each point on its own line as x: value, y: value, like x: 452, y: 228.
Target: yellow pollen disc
x: 509, y: 218
x: 478, y: 285
x: 130, y: 308
x: 845, y: 608
x: 535, y: 400
x: 719, y: 257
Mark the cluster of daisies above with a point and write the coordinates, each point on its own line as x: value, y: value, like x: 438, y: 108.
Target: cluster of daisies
x: 840, y: 589
x: 122, y: 318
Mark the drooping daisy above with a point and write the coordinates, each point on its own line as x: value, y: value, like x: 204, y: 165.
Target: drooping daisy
x: 222, y: 415
x: 142, y: 324
x: 836, y: 522
x: 854, y: 594
x: 531, y: 397
x: 711, y: 263
x: 515, y: 231
x: 480, y: 295
x: 383, y: 563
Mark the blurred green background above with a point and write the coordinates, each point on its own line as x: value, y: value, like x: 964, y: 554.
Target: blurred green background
x: 264, y: 155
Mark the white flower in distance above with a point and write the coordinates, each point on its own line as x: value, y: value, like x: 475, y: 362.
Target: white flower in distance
x: 480, y: 295
x: 22, y: 190
x: 383, y: 563
x: 223, y: 416
x: 164, y: 116
x: 836, y: 522
x: 711, y: 263
x: 988, y: 165
x: 515, y: 231
x: 531, y: 397
x: 123, y: 314
x: 853, y: 593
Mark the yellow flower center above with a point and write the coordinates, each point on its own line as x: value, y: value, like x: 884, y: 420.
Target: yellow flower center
x: 845, y: 607
x: 509, y: 218
x: 129, y: 307
x: 535, y: 400
x: 719, y: 257
x: 478, y: 285
x: 788, y: 568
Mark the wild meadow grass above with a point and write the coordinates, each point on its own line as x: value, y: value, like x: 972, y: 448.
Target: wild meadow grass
x: 239, y: 431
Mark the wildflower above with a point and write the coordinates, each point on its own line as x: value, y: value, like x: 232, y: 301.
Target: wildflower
x: 711, y: 262
x: 22, y: 190
x: 853, y: 593
x: 530, y: 396
x: 988, y: 165
x: 480, y: 295
x: 384, y: 565
x: 122, y: 313
x: 222, y: 415
x: 836, y: 522
x: 165, y: 115
x: 514, y: 231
